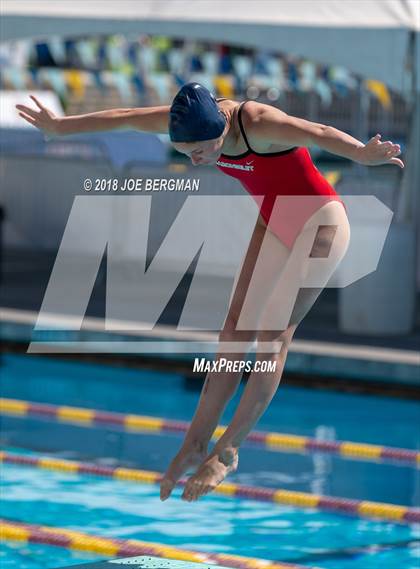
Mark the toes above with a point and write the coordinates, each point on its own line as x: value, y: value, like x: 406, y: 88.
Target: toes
x: 188, y: 496
x: 187, y: 493
x: 200, y: 490
x: 166, y: 487
x: 208, y: 488
x: 196, y: 491
x: 192, y: 490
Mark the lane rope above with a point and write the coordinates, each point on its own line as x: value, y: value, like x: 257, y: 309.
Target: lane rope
x: 280, y: 442
x: 331, y: 504
x: 75, y: 540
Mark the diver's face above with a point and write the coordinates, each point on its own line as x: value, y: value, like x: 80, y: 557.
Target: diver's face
x: 205, y: 152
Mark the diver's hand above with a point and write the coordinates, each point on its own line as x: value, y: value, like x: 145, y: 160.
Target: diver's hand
x: 375, y: 153
x: 41, y: 118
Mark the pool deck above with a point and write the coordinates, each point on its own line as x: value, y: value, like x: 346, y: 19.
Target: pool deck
x: 320, y: 348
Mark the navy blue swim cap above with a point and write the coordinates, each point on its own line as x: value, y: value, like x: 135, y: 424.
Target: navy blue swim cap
x: 195, y: 115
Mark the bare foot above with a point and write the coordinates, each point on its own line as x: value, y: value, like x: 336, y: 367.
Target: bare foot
x: 211, y: 473
x: 186, y: 459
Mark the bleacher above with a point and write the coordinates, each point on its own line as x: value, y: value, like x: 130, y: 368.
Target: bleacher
x: 90, y: 74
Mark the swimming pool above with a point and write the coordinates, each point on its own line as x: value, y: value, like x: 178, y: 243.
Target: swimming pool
x: 222, y: 524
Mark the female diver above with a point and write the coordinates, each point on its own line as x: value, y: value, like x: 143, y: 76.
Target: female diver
x: 266, y: 150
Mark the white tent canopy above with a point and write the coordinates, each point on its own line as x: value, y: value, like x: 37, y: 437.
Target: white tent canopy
x: 371, y: 38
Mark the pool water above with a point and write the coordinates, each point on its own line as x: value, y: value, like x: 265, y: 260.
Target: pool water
x: 219, y: 524
x: 215, y: 524
x: 35, y: 556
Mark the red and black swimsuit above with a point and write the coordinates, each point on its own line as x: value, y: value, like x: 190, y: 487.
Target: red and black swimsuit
x: 288, y: 174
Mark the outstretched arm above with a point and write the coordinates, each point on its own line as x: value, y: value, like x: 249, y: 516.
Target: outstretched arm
x: 147, y: 119
x: 277, y: 127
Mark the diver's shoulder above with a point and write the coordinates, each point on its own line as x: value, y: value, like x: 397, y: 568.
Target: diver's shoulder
x: 253, y: 112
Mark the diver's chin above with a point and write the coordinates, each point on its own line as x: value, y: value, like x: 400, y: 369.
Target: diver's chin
x: 214, y: 161
x: 211, y: 162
